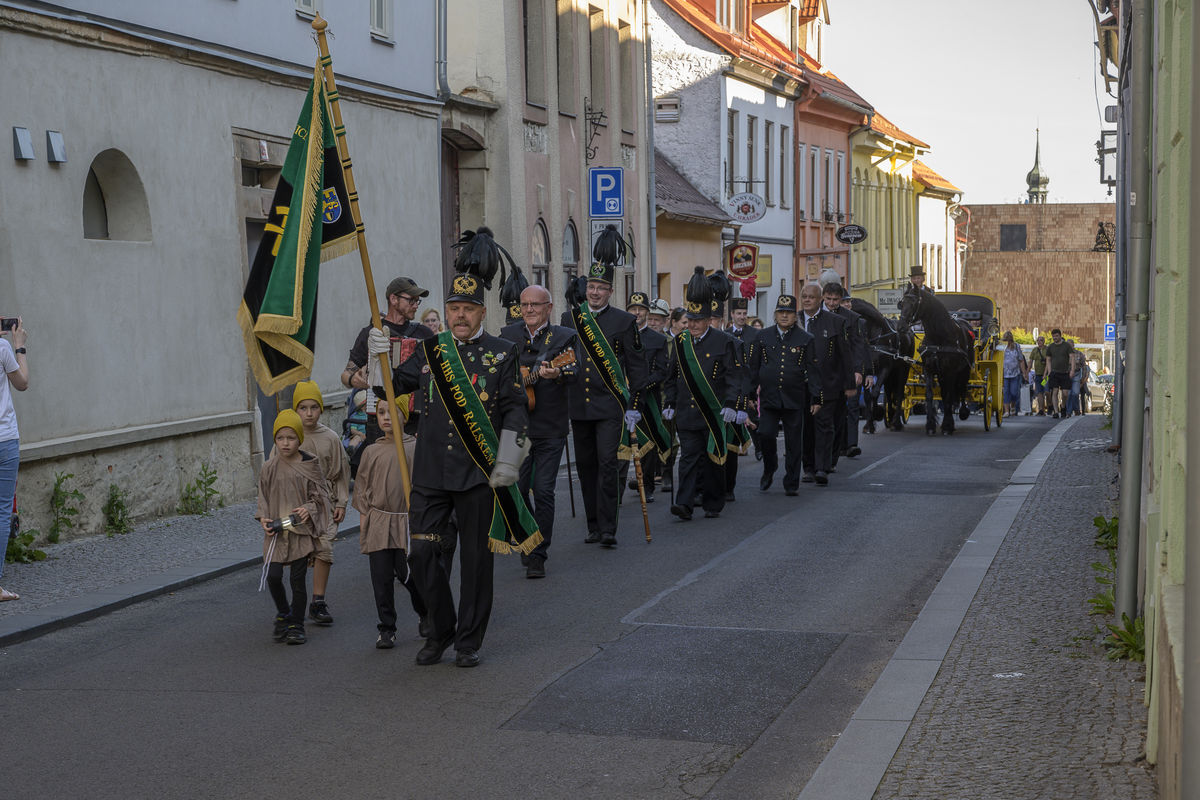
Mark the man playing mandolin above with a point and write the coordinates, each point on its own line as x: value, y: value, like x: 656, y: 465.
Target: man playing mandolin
x: 547, y: 366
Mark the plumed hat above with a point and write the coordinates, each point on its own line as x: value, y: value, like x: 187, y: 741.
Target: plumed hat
x: 479, y: 258
x: 698, y: 296
x: 510, y: 294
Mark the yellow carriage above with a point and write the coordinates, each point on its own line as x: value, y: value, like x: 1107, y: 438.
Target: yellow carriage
x: 985, y: 388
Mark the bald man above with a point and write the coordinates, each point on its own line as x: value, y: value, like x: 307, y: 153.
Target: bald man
x: 539, y: 343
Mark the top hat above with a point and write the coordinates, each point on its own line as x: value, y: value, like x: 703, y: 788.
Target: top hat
x: 698, y: 296
x: 601, y: 272
x: 915, y: 271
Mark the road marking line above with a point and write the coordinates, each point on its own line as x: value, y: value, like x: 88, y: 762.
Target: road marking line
x: 870, y: 467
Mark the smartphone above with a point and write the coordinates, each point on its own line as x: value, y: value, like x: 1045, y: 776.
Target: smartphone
x: 8, y: 323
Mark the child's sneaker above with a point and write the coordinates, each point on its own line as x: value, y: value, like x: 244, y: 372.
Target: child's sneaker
x: 281, y: 625
x: 295, y: 635
x: 318, y: 612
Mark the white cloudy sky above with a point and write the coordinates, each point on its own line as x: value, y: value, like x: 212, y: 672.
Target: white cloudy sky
x: 975, y: 79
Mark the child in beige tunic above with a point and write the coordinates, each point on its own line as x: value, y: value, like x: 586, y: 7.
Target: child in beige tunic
x: 290, y: 488
x: 327, y: 447
x: 383, y: 525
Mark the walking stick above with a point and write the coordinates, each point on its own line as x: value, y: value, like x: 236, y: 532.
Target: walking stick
x: 570, y: 480
x: 637, y: 466
x: 319, y: 25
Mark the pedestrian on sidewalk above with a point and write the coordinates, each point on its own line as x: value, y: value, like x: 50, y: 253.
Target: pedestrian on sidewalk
x: 1058, y: 383
x: 383, y: 523
x: 14, y: 372
x: 1040, y: 359
x: 1015, y: 369
x: 293, y: 508
x: 326, y: 445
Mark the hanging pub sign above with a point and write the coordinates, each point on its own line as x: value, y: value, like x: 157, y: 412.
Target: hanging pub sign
x: 741, y: 260
x: 851, y: 234
x: 747, y: 207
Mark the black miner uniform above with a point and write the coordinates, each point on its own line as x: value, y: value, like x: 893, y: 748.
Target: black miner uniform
x: 548, y: 422
x: 744, y: 336
x: 597, y: 417
x: 783, y: 365
x: 834, y: 368
x: 846, y: 421
x: 656, y: 348
x: 445, y: 479
x: 699, y: 476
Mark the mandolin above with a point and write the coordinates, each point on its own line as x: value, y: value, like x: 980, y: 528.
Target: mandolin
x: 529, y: 377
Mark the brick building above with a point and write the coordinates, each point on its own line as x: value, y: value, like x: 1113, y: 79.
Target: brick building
x: 1040, y: 264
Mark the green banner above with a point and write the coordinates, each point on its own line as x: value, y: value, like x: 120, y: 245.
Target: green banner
x: 706, y: 398
x: 513, y: 527
x: 309, y: 222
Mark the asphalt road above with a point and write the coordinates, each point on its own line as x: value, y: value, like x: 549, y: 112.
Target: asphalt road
x: 722, y: 660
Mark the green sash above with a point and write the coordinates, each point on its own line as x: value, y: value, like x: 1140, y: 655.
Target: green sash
x: 604, y: 359
x: 513, y: 527
x: 706, y: 398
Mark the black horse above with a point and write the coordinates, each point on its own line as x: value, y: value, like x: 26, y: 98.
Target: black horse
x: 947, y: 355
x: 890, y: 351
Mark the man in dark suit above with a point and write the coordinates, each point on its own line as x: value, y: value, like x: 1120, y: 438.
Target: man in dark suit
x: 744, y: 335
x: 597, y: 414
x: 446, y: 478
x: 846, y: 420
x: 539, y: 343
x: 704, y: 393
x: 654, y: 346
x: 783, y: 366
x: 832, y: 349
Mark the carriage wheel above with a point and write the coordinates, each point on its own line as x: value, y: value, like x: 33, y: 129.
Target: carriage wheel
x: 987, y: 413
x: 999, y: 413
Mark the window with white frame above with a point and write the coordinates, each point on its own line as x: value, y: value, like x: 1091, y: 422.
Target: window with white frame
x: 829, y: 188
x: 768, y: 129
x: 814, y: 183
x: 309, y: 8
x: 842, y: 205
x: 381, y: 19
x: 751, y: 135
x: 785, y: 182
x: 731, y: 152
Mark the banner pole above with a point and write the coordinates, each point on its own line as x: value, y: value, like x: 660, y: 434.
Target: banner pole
x: 319, y: 26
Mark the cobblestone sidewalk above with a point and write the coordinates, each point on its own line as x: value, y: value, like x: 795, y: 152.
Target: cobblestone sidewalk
x: 1026, y: 705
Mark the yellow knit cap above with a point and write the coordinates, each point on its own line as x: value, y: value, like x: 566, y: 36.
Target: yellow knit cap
x: 307, y: 390
x: 288, y: 419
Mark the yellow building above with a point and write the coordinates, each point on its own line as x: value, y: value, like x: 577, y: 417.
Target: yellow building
x: 883, y: 200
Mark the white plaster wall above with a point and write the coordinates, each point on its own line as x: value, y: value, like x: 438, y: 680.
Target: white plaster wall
x: 272, y: 29
x: 687, y: 65
x: 135, y: 333
x: 934, y: 230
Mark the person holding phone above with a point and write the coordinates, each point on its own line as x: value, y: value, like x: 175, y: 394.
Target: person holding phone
x: 15, y: 374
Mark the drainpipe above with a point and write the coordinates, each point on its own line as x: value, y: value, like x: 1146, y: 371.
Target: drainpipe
x: 443, y: 86
x: 651, y: 175
x: 1189, y: 782
x: 1137, y: 317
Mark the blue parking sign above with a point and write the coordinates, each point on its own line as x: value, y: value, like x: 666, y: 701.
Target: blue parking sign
x: 1110, y: 331
x: 606, y: 192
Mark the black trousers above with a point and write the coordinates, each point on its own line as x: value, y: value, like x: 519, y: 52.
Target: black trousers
x: 539, y: 477
x: 387, y: 567
x: 699, y: 475
x: 431, y: 509
x: 853, y: 415
x: 731, y: 467
x: 819, y: 438
x: 596, y: 443
x: 769, y: 422
x: 298, y: 577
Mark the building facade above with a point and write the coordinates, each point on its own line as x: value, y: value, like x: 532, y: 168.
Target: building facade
x: 539, y: 92
x: 938, y: 215
x: 157, y: 132
x: 883, y: 200
x: 1040, y: 264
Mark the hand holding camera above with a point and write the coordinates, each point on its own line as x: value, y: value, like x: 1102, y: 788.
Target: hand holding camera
x: 288, y: 523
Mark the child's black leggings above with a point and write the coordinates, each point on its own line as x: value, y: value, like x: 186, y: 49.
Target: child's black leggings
x: 299, y: 589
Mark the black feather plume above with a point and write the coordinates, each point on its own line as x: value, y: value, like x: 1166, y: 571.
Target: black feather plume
x: 577, y: 291
x: 479, y: 254
x: 610, y: 246
x: 699, y: 289
x: 510, y: 290
x: 721, y: 288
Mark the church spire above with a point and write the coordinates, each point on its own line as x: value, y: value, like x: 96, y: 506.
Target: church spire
x: 1037, y: 180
